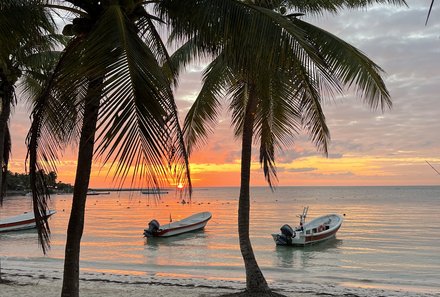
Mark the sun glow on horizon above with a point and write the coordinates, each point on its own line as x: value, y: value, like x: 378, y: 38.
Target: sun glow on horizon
x: 347, y: 170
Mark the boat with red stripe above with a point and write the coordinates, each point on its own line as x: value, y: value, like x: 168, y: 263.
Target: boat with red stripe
x: 21, y: 222
x: 317, y: 230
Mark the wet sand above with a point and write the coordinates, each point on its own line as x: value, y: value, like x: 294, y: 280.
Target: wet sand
x: 37, y: 286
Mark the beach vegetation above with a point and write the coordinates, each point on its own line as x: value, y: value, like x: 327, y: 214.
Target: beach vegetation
x: 274, y: 70
x: 19, y: 183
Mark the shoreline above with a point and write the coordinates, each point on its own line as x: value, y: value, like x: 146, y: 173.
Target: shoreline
x: 36, y: 283
x: 27, y: 285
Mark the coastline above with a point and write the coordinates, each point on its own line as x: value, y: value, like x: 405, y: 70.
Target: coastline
x: 28, y: 285
x: 27, y: 282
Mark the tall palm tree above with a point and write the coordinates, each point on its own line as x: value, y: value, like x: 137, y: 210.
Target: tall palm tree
x: 27, y: 51
x: 108, y: 88
x: 26, y: 34
x: 275, y: 70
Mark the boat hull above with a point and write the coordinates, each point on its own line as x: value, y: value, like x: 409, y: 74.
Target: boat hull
x: 21, y: 222
x: 177, y: 231
x: 192, y: 223
x: 311, y: 233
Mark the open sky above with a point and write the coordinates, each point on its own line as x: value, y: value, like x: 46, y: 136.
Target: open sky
x: 367, y: 148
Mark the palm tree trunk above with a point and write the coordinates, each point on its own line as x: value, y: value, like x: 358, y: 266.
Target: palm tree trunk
x: 6, y: 101
x: 255, y: 281
x: 76, y: 222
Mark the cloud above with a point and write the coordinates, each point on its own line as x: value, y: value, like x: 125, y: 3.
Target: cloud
x: 367, y: 147
x: 305, y: 169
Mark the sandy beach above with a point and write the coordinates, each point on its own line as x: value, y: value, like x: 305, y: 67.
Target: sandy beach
x: 30, y: 286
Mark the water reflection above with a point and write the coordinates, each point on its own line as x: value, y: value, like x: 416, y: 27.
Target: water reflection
x: 300, y: 257
x: 375, y: 238
x: 18, y: 236
x: 155, y: 242
x: 181, y: 250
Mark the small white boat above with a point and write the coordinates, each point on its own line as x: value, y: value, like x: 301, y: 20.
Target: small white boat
x: 195, y: 222
x: 317, y: 230
x: 21, y: 222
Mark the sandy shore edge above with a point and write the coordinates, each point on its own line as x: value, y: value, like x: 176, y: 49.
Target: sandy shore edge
x: 29, y: 286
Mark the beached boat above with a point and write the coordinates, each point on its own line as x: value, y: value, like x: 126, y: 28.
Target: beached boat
x: 317, y: 230
x: 195, y: 222
x: 21, y: 222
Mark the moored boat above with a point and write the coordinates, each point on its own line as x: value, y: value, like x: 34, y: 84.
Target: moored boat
x: 21, y: 222
x: 195, y: 222
x: 317, y: 230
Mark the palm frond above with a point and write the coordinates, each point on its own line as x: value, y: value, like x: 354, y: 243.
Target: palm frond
x: 200, y: 119
x: 350, y: 66
x: 138, y: 118
x: 277, y: 121
x: 54, y: 124
x: 239, y: 94
x: 322, y: 6
x: 182, y: 57
x: 21, y: 22
x: 267, y: 154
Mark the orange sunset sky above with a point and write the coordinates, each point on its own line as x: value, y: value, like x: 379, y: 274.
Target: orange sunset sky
x: 367, y: 147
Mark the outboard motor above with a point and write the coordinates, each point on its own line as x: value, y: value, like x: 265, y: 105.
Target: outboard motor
x: 287, y: 231
x: 153, y: 227
x: 285, y: 238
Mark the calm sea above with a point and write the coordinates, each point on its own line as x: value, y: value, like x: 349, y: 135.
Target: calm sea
x: 389, y: 243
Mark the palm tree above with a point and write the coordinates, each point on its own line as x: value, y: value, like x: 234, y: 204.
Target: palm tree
x: 275, y: 70
x: 27, y: 50
x: 26, y: 35
x: 108, y: 88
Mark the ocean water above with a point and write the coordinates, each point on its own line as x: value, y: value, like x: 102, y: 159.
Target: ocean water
x: 388, y: 245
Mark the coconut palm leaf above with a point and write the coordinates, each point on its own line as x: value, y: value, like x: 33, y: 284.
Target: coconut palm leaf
x: 319, y: 7
x: 136, y: 123
x: 54, y: 125
x: 26, y: 30
x: 22, y: 22
x: 350, y: 66
x: 277, y: 121
x: 200, y: 119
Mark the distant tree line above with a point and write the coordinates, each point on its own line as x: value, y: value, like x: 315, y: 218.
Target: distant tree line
x: 20, y: 182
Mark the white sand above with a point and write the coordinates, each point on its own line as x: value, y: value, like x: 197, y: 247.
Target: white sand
x: 26, y: 286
